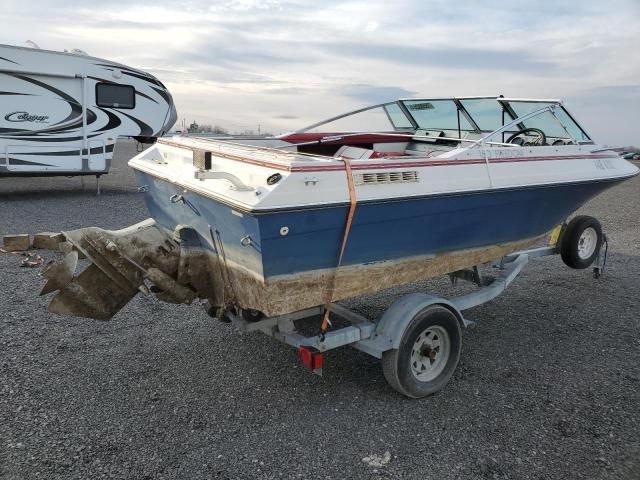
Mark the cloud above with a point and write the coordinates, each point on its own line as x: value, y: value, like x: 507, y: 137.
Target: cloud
x: 246, y: 61
x: 452, y: 57
x: 243, y: 52
x: 611, y: 113
x: 370, y: 94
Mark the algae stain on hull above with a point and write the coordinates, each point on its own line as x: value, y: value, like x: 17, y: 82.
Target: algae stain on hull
x: 287, y: 294
x: 126, y: 261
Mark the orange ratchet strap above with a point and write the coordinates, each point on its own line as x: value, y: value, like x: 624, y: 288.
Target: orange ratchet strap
x: 332, y: 283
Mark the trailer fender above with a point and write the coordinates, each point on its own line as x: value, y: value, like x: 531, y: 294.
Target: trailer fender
x: 395, y: 320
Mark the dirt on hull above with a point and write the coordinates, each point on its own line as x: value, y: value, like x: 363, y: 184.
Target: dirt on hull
x: 176, y: 268
x: 289, y: 293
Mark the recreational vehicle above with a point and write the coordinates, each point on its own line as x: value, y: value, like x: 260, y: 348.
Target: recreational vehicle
x: 62, y: 112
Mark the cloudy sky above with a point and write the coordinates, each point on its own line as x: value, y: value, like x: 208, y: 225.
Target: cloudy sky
x: 287, y: 63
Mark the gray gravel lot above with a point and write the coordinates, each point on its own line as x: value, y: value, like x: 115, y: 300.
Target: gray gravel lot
x: 548, y: 386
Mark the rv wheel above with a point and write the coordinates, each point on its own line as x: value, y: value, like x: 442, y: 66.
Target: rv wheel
x: 580, y: 242
x: 427, y: 355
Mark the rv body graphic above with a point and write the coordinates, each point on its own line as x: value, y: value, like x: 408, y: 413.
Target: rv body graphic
x: 61, y: 113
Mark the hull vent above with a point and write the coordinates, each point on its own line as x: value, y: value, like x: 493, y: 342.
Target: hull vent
x: 385, y: 177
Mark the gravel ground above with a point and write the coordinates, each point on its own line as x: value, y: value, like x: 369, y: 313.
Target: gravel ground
x: 548, y: 386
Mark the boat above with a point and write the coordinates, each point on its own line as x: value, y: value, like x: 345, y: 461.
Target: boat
x: 62, y: 112
x: 379, y: 197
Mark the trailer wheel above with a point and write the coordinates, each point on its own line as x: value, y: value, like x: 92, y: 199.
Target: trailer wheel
x: 581, y: 242
x: 427, y: 355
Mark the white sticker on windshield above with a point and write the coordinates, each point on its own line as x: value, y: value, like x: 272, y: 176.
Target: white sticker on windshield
x: 421, y: 106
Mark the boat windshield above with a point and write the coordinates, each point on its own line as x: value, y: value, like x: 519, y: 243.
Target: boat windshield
x: 470, y: 117
x: 486, y: 115
x: 437, y: 115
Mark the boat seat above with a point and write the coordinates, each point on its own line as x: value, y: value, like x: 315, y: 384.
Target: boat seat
x: 357, y: 153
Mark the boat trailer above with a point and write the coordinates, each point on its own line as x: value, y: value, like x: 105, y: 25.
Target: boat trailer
x: 418, y: 338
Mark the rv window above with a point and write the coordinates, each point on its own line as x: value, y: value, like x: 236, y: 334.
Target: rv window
x: 115, y: 96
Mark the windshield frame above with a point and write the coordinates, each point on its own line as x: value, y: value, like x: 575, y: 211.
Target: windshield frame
x: 509, y: 116
x: 392, y: 124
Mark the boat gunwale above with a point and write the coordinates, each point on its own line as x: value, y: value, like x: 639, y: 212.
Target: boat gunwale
x: 357, y: 164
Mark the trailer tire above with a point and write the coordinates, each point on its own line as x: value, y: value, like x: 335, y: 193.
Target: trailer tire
x: 581, y: 242
x: 428, y: 353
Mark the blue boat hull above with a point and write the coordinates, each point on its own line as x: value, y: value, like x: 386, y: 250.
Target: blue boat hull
x: 387, y: 230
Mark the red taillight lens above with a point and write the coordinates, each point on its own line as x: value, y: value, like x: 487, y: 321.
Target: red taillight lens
x: 317, y: 360
x: 305, y: 356
x: 311, y: 358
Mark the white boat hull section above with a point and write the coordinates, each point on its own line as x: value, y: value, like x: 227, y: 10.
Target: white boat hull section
x: 308, y: 180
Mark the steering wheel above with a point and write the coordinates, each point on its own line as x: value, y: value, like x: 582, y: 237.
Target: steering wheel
x: 541, y: 140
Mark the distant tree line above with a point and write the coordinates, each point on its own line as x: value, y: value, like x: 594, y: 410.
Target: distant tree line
x: 195, y: 128
x: 218, y: 130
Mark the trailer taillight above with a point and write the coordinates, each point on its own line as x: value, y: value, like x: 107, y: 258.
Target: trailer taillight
x: 311, y: 358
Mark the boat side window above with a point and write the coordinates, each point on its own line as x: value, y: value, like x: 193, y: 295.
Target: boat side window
x: 397, y: 117
x: 112, y: 95
x: 437, y: 115
x: 570, y: 124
